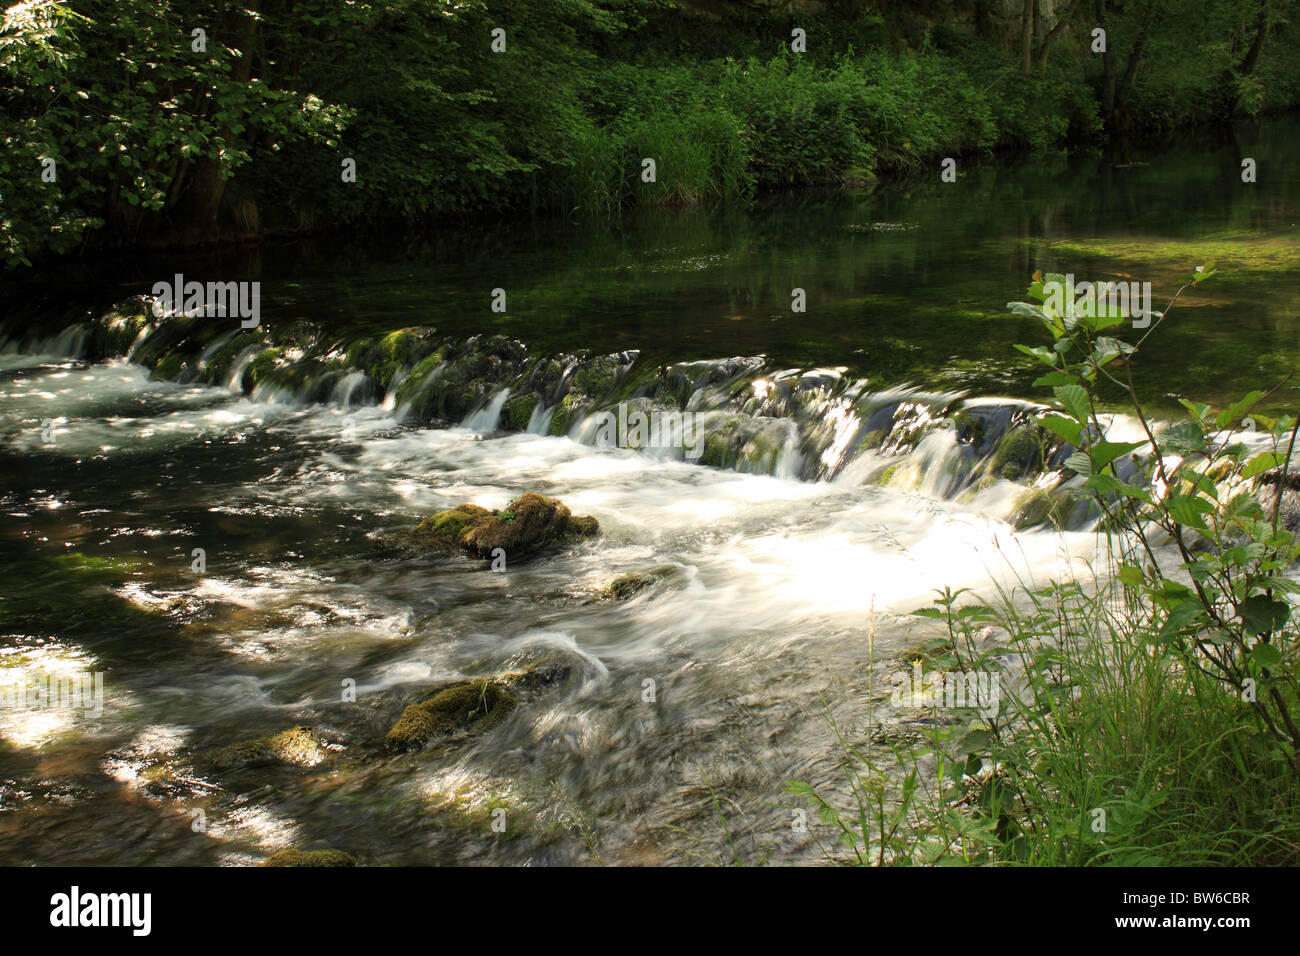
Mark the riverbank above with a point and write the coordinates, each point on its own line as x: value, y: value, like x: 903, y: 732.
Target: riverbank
x: 301, y: 122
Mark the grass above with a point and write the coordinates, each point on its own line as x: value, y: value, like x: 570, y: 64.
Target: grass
x: 1106, y: 751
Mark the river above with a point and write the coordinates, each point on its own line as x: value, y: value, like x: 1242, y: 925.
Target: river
x: 843, y: 488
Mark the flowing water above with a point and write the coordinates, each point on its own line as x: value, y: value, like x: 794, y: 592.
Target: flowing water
x: 859, y: 456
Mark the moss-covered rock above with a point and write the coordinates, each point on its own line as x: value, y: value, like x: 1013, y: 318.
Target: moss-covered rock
x: 518, y: 412
x: 294, y: 857
x: 168, y: 367
x: 887, y: 474
x: 934, y: 650
x: 969, y: 427
x: 420, y: 377
x: 462, y: 706
x: 625, y: 586
x: 397, y: 350
x: 115, y: 331
x: 529, y: 523
x: 720, y: 449
x: 263, y: 364
x: 596, y: 377
x: 297, y: 746
x: 1040, y: 507
x: 1019, y: 454
x: 570, y: 409
x: 216, y: 368
x: 548, y: 671
x: 445, y: 530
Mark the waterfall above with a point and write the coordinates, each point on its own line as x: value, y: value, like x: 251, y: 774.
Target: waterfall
x: 486, y: 418
x: 738, y: 413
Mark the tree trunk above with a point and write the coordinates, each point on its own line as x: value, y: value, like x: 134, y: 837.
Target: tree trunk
x: 1027, y: 35
x: 1107, y: 67
x: 1120, y: 118
x: 206, y: 186
x: 1256, y: 47
x: 1045, y: 47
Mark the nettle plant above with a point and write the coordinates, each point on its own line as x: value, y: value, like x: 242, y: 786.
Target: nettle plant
x: 1194, y: 511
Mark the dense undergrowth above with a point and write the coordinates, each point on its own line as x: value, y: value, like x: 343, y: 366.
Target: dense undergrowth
x: 137, y: 122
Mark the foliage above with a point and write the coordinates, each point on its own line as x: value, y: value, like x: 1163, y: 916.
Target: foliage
x: 159, y: 140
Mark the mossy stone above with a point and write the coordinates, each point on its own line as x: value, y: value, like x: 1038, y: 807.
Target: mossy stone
x: 168, y: 367
x: 518, y: 412
x: 261, y: 367
x: 466, y: 705
x: 297, y: 746
x: 625, y: 586
x: 446, y: 529
x: 534, y: 522
x: 1019, y: 454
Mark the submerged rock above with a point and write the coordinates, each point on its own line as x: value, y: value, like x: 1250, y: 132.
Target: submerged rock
x: 625, y: 586
x: 550, y: 670
x: 528, y: 524
x: 293, y: 857
x: 1019, y: 454
x: 465, y: 705
x: 297, y: 746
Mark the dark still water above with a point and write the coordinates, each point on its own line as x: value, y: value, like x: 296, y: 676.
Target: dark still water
x: 213, y: 554
x: 904, y: 285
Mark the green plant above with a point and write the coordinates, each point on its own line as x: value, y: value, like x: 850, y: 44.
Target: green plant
x: 1219, y: 600
x: 1147, y: 707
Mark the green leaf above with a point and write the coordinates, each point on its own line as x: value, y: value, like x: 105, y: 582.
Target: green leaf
x: 1065, y: 428
x: 1181, y: 615
x: 1199, y: 412
x: 1040, y: 353
x: 1261, y: 463
x: 1184, y: 438
x: 1109, y: 484
x: 1026, y: 309
x: 1079, y: 463
x: 1104, y: 452
x: 1188, y: 509
x: 1053, y: 378
x: 1262, y: 614
x: 1237, y: 409
x: 1266, y: 655
x: 1075, y: 400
